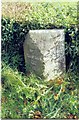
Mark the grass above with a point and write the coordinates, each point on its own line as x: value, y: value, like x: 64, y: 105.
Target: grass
x: 30, y: 97
x: 56, y: 13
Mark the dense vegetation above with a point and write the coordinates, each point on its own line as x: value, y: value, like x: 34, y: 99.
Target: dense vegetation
x: 24, y: 95
x: 29, y: 97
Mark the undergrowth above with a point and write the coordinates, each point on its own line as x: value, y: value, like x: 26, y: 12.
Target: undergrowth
x: 30, y: 97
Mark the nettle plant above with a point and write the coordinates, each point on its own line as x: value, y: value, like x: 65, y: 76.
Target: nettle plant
x: 72, y: 48
x: 13, y: 35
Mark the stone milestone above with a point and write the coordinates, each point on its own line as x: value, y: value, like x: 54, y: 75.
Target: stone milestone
x: 44, y: 52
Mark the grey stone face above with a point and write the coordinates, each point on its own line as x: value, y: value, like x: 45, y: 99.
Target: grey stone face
x: 44, y: 52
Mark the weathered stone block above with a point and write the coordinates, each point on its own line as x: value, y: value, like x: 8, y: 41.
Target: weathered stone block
x: 44, y: 52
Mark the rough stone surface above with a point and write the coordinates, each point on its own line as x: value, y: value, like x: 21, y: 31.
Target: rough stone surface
x: 44, y: 52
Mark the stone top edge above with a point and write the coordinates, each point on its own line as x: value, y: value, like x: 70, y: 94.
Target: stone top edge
x: 47, y: 30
